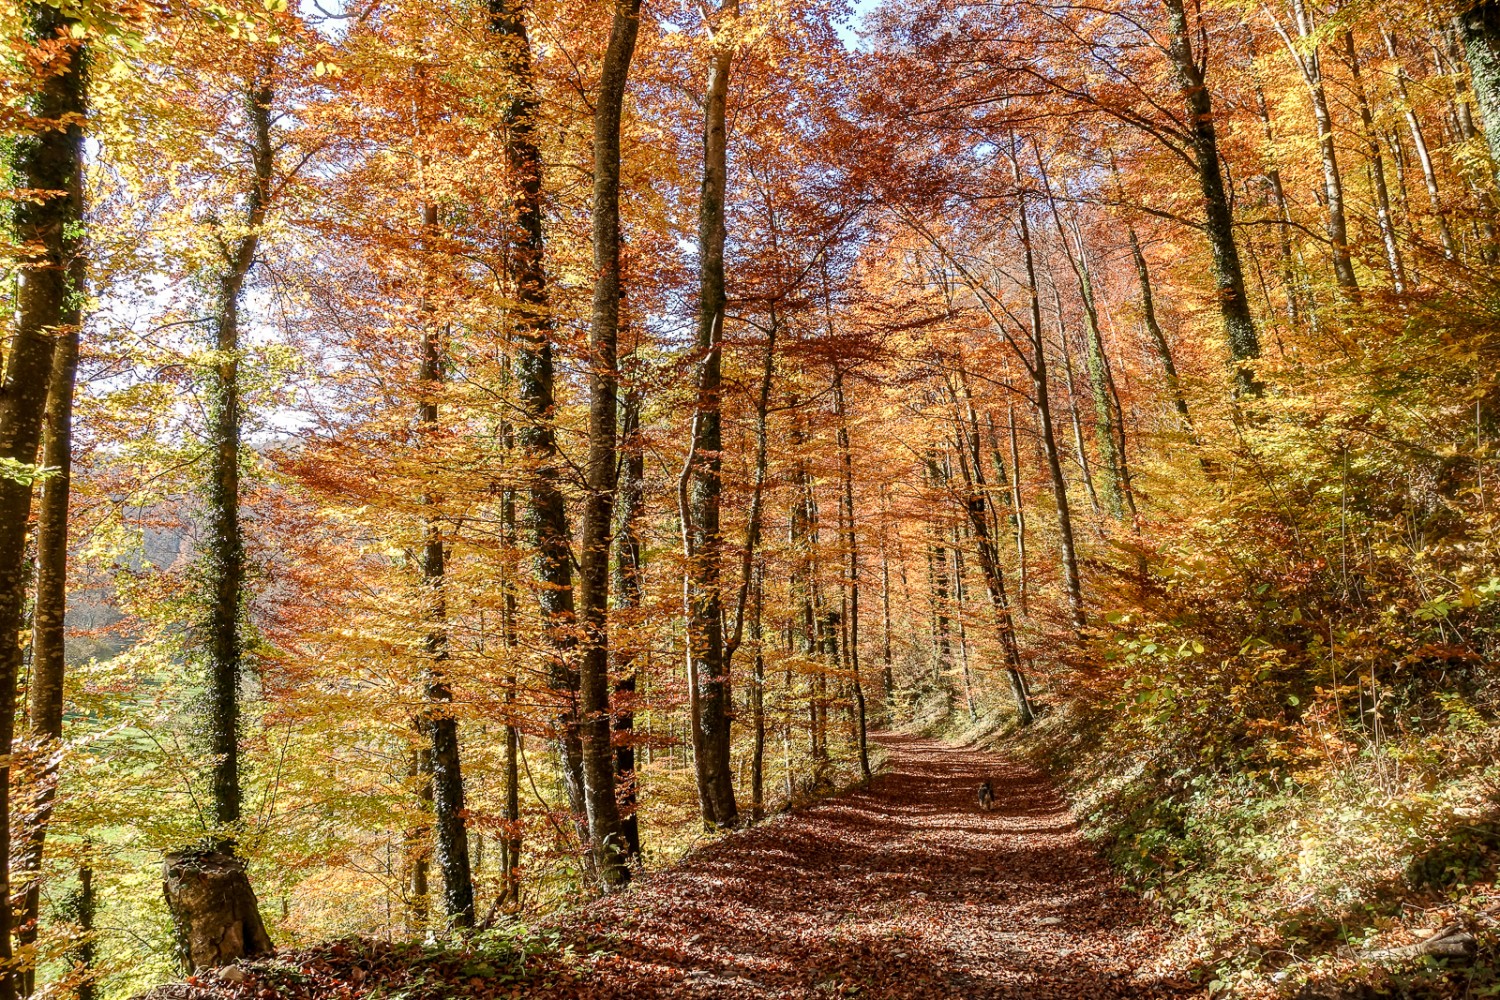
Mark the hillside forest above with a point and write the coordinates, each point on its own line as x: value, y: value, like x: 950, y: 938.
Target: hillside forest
x: 460, y: 460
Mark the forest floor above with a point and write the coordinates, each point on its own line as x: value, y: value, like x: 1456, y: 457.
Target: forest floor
x: 904, y: 889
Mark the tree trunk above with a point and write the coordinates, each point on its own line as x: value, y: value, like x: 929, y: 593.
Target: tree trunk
x: 752, y: 573
x: 758, y: 701
x: 1377, y: 169
x: 851, y: 546
x: 1084, y: 466
x: 510, y: 838
x: 975, y: 503
x: 546, y: 513
x: 45, y: 689
x: 629, y: 556
x: 705, y: 603
x: 1104, y: 424
x: 417, y: 848
x: 1310, y: 66
x: 1479, y: 28
x: 79, y: 907
x: 213, y: 909
x: 1234, y: 304
x: 606, y: 836
x: 1157, y: 335
x: 1419, y: 144
x: 36, y: 391
x: 451, y: 843
x: 221, y: 879
x: 1017, y: 507
x: 1071, y: 583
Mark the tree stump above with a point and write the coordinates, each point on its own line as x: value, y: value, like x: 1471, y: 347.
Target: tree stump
x: 214, y: 908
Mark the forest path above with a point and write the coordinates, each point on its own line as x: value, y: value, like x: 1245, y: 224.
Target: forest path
x: 901, y: 890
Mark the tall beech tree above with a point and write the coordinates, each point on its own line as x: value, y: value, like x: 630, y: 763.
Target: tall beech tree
x: 707, y: 663
x: 600, y: 471
x: 37, y: 364
x: 536, y: 434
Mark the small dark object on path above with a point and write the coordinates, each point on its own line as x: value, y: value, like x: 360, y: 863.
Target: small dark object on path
x: 986, y: 796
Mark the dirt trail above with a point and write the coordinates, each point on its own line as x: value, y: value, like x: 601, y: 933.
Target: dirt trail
x: 904, y: 890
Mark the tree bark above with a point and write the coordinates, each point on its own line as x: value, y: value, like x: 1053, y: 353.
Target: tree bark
x: 213, y: 908
x: 451, y: 843
x: 1310, y: 66
x: 1479, y: 29
x: 1419, y: 144
x: 45, y: 689
x: 1377, y: 170
x: 49, y: 233
x: 546, y: 511
x: 851, y: 547
x: 629, y: 555
x: 1229, y: 275
x: 975, y: 503
x: 1071, y: 582
x: 705, y: 602
x: 606, y: 836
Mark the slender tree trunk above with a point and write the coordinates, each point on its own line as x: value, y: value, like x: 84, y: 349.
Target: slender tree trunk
x: 1377, y: 169
x: 758, y: 700
x: 1075, y: 420
x: 1310, y: 65
x: 606, y: 835
x: 887, y: 663
x: 208, y: 891
x: 1157, y: 335
x: 1109, y: 456
x: 1072, y: 585
x: 48, y: 315
x: 708, y: 664
x: 752, y: 575
x: 45, y: 688
x: 1419, y: 144
x: 546, y: 512
x: 1289, y: 281
x: 451, y: 843
x: 1234, y: 304
x: 1018, y: 508
x: 629, y: 556
x: 416, y: 848
x: 510, y: 836
x: 960, y: 595
x: 975, y: 502
x: 937, y: 572
x: 851, y: 547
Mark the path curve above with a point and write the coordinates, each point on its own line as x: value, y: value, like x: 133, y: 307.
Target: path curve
x: 902, y: 890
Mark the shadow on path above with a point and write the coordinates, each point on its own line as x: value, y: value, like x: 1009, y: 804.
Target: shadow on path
x: 902, y: 890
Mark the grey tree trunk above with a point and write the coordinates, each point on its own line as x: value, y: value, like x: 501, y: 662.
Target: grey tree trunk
x: 45, y: 688
x: 1479, y: 29
x: 1377, y: 169
x: 1072, y: 584
x: 1419, y: 145
x: 606, y: 835
x: 438, y: 723
x: 1305, y: 56
x: 976, y: 502
x: 196, y: 882
x: 628, y: 592
x: 752, y: 575
x: 708, y: 665
x: 48, y: 304
x: 851, y: 553
x: 1229, y: 275
x: 546, y: 511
